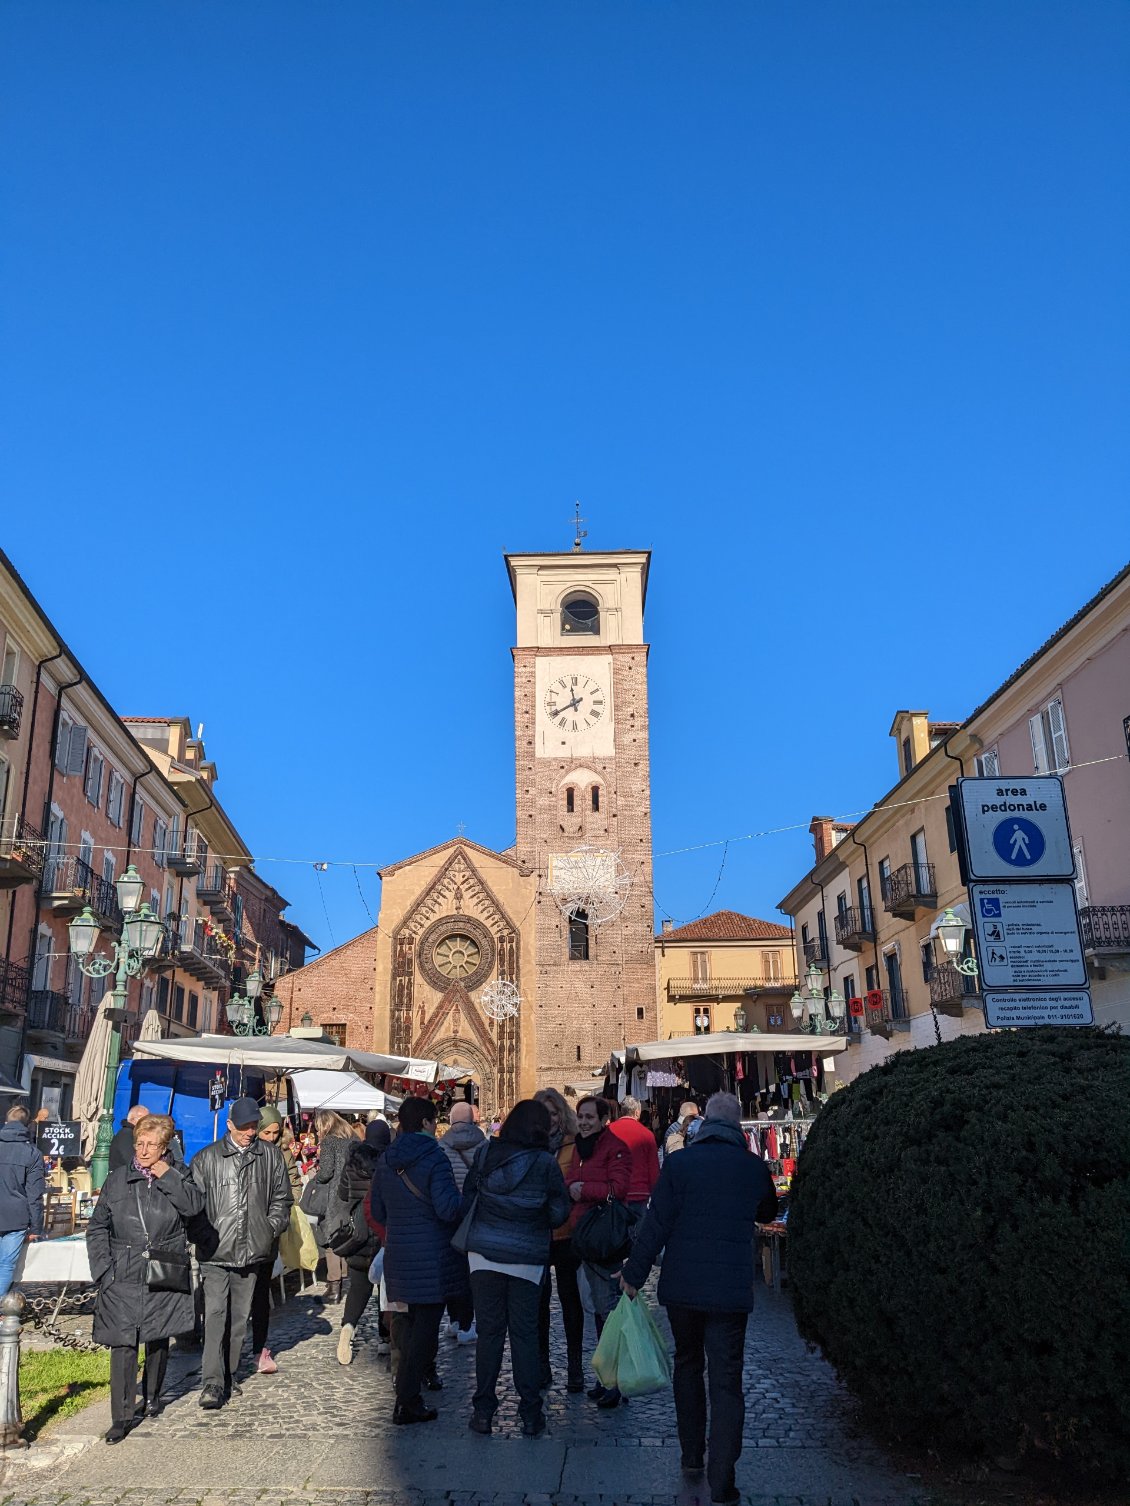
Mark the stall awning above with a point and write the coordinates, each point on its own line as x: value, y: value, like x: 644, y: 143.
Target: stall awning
x: 344, y: 1092
x: 729, y: 1043
x: 284, y: 1054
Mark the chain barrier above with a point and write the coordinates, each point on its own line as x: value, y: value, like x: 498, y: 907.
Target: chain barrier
x: 44, y: 1313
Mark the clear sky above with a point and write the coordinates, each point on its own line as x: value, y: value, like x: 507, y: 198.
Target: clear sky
x: 311, y: 309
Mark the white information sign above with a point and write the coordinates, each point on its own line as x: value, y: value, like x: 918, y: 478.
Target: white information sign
x: 1016, y: 828
x: 1003, y: 1011
x: 1027, y: 935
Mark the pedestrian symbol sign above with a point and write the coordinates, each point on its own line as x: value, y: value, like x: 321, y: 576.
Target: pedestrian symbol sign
x: 1015, y: 828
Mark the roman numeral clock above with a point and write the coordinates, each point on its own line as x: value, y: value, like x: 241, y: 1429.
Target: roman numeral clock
x: 575, y: 703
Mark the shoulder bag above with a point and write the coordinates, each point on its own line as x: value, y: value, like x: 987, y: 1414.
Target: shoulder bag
x: 604, y: 1235
x: 165, y: 1270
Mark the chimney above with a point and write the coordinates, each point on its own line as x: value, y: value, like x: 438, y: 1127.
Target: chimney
x: 668, y: 925
x: 823, y: 839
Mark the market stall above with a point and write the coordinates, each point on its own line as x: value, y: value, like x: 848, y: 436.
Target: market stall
x: 344, y: 1092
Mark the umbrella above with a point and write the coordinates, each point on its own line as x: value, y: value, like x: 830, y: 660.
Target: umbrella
x: 151, y: 1027
x: 90, y: 1080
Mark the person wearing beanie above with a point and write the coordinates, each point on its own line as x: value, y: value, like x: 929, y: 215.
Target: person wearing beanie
x: 459, y: 1145
x: 270, y: 1133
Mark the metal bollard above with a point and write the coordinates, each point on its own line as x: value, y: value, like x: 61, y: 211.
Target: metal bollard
x: 11, y: 1326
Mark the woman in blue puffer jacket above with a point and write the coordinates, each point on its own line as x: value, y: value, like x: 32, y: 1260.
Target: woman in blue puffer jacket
x: 521, y: 1199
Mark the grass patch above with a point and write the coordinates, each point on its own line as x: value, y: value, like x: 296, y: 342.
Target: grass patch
x: 54, y: 1383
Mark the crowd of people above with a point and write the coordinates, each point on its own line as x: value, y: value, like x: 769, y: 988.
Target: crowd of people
x: 465, y: 1234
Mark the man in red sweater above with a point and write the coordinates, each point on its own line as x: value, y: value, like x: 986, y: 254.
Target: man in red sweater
x: 643, y: 1152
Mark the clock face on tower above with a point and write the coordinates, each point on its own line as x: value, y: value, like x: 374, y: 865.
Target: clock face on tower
x: 575, y: 702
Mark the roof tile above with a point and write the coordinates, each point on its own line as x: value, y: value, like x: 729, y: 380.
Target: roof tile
x: 728, y: 925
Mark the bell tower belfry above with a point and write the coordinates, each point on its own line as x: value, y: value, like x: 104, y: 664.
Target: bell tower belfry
x: 584, y: 785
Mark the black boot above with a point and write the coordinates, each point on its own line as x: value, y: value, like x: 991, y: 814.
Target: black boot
x: 332, y: 1292
x: 575, y: 1380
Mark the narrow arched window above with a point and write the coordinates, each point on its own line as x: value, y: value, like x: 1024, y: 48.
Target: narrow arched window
x: 580, y: 614
x: 596, y: 797
x: 579, y: 937
x: 570, y: 800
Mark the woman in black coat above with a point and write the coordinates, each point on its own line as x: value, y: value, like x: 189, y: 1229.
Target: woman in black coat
x: 348, y: 1209
x: 335, y: 1141
x: 142, y: 1205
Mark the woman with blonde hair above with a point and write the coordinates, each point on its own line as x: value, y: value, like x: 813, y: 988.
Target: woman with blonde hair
x: 335, y: 1141
x: 138, y: 1248
x: 566, y: 1265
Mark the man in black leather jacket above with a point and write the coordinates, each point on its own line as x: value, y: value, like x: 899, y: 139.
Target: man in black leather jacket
x: 247, y: 1207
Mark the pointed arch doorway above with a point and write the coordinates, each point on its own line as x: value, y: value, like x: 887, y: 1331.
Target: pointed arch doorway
x: 457, y: 1051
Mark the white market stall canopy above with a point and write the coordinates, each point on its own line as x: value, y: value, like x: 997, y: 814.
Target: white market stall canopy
x: 729, y: 1043
x: 344, y: 1092
x: 285, y: 1054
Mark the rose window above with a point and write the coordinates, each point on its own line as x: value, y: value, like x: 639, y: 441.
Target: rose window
x: 457, y: 955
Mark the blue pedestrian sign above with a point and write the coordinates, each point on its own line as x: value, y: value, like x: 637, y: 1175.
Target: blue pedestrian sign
x: 1018, y: 842
x: 1015, y: 828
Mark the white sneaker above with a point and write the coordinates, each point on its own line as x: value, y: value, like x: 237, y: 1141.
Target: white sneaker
x: 451, y: 1327
x: 468, y: 1337
x: 345, y: 1345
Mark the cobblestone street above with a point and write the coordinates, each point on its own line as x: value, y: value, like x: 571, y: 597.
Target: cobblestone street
x: 318, y: 1432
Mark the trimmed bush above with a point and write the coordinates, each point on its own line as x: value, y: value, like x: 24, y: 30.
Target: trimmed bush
x: 959, y: 1243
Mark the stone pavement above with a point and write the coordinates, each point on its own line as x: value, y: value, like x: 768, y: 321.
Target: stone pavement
x: 321, y: 1434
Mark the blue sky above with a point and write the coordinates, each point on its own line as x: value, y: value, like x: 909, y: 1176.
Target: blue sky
x: 308, y: 311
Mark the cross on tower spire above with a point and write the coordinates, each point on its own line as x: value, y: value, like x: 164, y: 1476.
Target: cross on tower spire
x: 582, y: 533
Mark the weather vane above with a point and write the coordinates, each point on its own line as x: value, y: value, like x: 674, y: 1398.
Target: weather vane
x: 582, y: 533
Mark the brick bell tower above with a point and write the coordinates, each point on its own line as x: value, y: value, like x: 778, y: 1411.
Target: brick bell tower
x: 583, y: 780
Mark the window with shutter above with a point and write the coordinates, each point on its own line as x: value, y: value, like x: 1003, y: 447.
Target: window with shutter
x: 76, y: 755
x: 136, y: 823
x: 115, y: 802
x: 700, y: 967
x: 86, y: 849
x: 108, y: 867
x: 1080, y: 877
x: 771, y: 962
x: 95, y: 768
x: 989, y: 764
x: 160, y: 841
x: 1039, y: 745
x: 1058, y: 728
x: 63, y: 743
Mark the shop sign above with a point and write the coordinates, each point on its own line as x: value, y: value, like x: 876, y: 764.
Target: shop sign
x: 1028, y: 935
x: 1072, y: 1007
x: 63, y: 1138
x: 1015, y: 828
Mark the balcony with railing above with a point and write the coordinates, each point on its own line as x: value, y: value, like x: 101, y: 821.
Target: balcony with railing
x: 186, y: 858
x: 1106, y: 931
x: 216, y: 890
x: 11, y: 711
x: 855, y: 927
x: 884, y: 1011
x: 727, y: 988
x: 909, y: 889
x: 816, y: 951
x: 21, y: 853
x: 951, y: 990
x: 47, y: 1012
x: 69, y: 884
x: 14, y: 981
x: 201, y: 955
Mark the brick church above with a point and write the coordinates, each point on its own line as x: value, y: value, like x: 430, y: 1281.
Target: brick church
x: 459, y: 918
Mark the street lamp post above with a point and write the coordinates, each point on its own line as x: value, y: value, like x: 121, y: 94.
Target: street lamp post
x: 142, y: 932
x: 823, y: 1013
x: 240, y: 1009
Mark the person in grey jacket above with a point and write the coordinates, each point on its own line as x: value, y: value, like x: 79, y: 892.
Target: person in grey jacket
x: 459, y: 1145
x: 518, y: 1196
x: 247, y: 1207
x: 21, y: 1192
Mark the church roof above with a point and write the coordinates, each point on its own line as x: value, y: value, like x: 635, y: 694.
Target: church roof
x: 728, y: 925
x: 452, y: 842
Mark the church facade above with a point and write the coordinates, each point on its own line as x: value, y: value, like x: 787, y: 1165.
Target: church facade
x: 459, y: 918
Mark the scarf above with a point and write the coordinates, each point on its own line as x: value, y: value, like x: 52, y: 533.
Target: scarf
x: 144, y: 1170
x: 586, y: 1144
x: 556, y: 1141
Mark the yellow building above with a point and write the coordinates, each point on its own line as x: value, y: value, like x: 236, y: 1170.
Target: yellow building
x: 706, y: 971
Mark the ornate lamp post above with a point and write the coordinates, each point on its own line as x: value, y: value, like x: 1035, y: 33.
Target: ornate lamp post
x: 142, y: 934
x: 240, y: 1009
x: 950, y: 930
x: 823, y: 1014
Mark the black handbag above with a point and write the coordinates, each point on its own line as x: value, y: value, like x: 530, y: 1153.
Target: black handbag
x: 165, y: 1270
x: 604, y: 1235
x: 352, y: 1237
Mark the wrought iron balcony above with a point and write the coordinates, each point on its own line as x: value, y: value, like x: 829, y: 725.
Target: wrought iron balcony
x: 909, y: 889
x: 71, y: 883
x: 217, y: 891
x: 11, y: 711
x: 816, y: 951
x: 202, y: 956
x: 47, y: 1012
x: 884, y: 1011
x: 855, y: 927
x: 726, y: 988
x: 21, y: 853
x: 14, y: 981
x: 186, y: 859
x: 951, y: 990
x: 1106, y: 930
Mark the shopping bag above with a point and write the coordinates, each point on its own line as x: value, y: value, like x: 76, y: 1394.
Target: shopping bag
x: 377, y: 1267
x: 297, y: 1247
x: 606, y: 1356
x: 643, y: 1361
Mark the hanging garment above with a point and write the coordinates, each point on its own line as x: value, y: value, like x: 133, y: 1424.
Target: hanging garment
x: 661, y: 1074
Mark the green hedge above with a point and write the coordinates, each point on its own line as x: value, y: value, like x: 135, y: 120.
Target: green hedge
x: 959, y: 1243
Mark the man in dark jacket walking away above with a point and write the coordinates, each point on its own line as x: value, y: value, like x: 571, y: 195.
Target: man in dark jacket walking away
x: 247, y: 1207
x: 415, y: 1197
x: 702, y: 1214
x: 21, y: 1192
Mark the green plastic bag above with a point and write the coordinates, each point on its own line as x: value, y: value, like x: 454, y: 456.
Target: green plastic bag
x: 631, y: 1354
